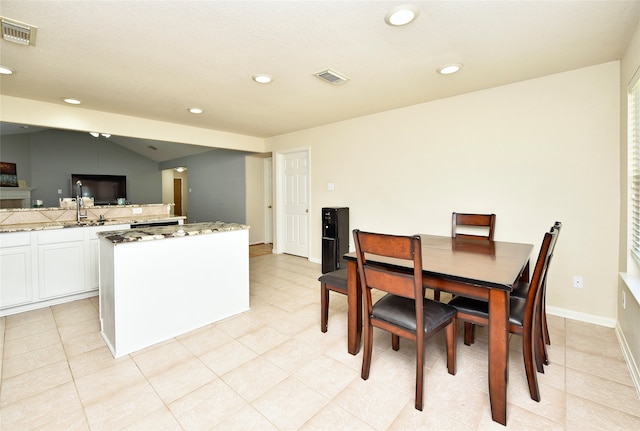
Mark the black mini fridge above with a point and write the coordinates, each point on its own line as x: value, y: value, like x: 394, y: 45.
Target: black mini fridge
x: 335, y: 238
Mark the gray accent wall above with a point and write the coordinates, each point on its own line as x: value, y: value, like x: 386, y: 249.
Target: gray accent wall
x: 216, y: 184
x: 47, y: 159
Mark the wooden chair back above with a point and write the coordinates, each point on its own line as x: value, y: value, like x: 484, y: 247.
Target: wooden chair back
x: 401, y: 283
x: 473, y: 221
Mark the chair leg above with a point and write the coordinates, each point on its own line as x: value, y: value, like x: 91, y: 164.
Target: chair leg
x: 436, y: 295
x: 452, y: 341
x: 469, y: 333
x: 324, y: 307
x: 395, y: 342
x: 366, y: 349
x: 419, y: 374
x: 528, y: 354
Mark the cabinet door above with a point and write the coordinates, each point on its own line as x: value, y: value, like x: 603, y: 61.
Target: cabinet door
x: 61, y: 269
x: 15, y: 276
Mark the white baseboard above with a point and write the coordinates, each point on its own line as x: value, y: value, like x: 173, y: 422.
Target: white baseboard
x: 582, y: 317
x: 628, y: 356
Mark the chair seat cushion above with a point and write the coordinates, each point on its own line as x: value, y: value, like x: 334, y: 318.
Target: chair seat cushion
x: 401, y: 311
x: 338, y: 279
x: 479, y: 308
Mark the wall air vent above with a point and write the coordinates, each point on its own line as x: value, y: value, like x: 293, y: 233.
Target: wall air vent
x: 18, y: 32
x: 331, y: 76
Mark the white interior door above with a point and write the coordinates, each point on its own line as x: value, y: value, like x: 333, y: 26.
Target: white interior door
x: 268, y: 201
x: 294, y: 189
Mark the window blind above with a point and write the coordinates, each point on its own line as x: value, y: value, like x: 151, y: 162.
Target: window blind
x: 633, y: 126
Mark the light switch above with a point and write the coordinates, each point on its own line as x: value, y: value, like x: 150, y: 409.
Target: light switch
x: 330, y: 186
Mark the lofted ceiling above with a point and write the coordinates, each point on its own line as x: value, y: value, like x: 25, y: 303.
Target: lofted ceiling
x: 156, y: 59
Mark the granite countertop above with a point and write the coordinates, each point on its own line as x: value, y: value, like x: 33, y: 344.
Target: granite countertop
x: 175, y: 231
x: 26, y: 227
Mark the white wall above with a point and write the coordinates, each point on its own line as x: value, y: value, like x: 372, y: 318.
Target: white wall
x: 255, y: 199
x: 532, y: 152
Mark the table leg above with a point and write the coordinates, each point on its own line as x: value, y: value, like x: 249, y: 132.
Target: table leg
x: 354, y: 311
x: 498, y: 353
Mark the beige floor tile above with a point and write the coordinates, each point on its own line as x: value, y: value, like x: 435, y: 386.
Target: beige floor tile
x: 25, y: 362
x: 29, y: 329
x: 254, y: 378
x: 291, y: 355
x: 372, y: 402
x: 55, y: 409
x: 334, y: 417
x: 159, y: 420
x: 92, y: 361
x: 161, y: 357
x: 34, y: 382
x: 518, y: 419
x: 108, y: 381
x: 32, y: 342
x: 75, y: 329
x: 181, y: 379
x: 430, y: 418
x: 206, y: 406
x: 123, y: 408
x: 227, y: 357
x: 247, y: 418
x: 598, y: 365
x: 603, y: 391
x: 28, y: 317
x: 583, y: 414
x: 327, y: 376
x: 204, y: 339
x: 263, y: 339
x: 82, y: 343
x: 281, y: 404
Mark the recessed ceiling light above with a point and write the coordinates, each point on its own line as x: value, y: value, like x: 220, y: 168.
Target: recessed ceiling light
x: 105, y: 135
x: 181, y: 169
x: 448, y: 69
x: 5, y: 71
x: 262, y: 79
x: 401, y: 15
x: 196, y: 110
x: 94, y: 134
x: 72, y: 101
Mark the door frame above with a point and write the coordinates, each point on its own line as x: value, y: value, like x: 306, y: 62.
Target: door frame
x: 279, y: 213
x: 267, y: 172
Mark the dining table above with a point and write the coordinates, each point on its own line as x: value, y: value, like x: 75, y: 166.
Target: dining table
x: 480, y: 269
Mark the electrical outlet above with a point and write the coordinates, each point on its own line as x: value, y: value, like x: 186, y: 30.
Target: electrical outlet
x: 137, y: 210
x: 59, y: 191
x: 577, y: 281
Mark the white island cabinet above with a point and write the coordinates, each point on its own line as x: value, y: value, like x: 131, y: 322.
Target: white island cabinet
x: 157, y: 283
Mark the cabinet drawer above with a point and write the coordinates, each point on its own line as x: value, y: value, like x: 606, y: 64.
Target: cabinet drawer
x: 15, y: 239
x: 61, y: 235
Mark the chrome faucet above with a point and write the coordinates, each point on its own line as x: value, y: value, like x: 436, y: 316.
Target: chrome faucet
x: 79, y: 215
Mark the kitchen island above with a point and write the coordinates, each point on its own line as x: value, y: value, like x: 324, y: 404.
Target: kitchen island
x: 159, y: 282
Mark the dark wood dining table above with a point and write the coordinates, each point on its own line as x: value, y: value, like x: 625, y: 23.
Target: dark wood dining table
x: 474, y: 268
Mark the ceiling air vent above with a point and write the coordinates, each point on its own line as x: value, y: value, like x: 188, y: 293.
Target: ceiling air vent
x: 331, y: 76
x: 18, y: 32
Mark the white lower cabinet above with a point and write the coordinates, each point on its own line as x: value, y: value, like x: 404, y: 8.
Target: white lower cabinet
x: 46, y: 267
x: 15, y: 269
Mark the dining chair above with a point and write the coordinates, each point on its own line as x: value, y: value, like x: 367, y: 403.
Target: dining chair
x: 335, y: 281
x: 481, y: 226
x: 523, y: 313
x: 520, y: 290
x: 403, y: 311
x: 474, y: 226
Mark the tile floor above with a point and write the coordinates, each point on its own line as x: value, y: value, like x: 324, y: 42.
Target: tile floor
x: 272, y: 369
